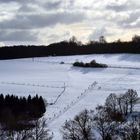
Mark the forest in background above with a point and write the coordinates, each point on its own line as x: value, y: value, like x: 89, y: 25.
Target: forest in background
x: 71, y: 47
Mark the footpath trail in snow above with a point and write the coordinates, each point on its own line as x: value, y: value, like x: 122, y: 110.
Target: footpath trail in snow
x: 73, y: 103
x: 59, y: 96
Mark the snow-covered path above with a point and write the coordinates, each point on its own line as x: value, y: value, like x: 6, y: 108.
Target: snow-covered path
x: 84, y: 87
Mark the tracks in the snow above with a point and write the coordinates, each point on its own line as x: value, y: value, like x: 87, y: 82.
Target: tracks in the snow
x: 72, y: 103
x: 29, y: 84
x: 80, y: 97
x: 123, y: 67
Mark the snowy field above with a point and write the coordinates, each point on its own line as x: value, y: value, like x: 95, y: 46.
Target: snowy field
x: 72, y: 89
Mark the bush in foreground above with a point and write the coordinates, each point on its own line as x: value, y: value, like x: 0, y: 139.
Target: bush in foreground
x: 80, y: 128
x: 38, y: 132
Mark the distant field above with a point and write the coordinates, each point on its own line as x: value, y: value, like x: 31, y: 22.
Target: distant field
x: 74, y: 88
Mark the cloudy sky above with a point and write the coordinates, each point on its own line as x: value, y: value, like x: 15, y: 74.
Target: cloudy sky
x: 47, y: 21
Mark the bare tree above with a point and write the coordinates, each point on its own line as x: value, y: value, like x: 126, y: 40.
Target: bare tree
x: 111, y: 102
x: 129, y: 130
x: 80, y: 128
x: 136, y: 38
x: 102, y: 39
x: 38, y: 132
x: 113, y: 106
x: 119, y: 106
x: 132, y: 98
x: 103, y: 123
x: 123, y: 103
x: 73, y: 39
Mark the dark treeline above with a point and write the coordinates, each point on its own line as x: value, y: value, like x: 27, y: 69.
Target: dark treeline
x: 69, y: 48
x: 16, y: 113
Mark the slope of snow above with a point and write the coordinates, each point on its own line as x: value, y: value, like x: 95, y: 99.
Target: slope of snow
x: 75, y: 88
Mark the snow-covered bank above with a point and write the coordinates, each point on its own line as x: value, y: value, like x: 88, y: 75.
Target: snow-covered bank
x: 84, y: 88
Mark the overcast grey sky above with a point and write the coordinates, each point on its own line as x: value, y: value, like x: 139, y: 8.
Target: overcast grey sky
x: 47, y: 21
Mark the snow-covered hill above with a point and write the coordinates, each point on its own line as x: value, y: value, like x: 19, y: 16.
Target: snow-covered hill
x: 73, y: 88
